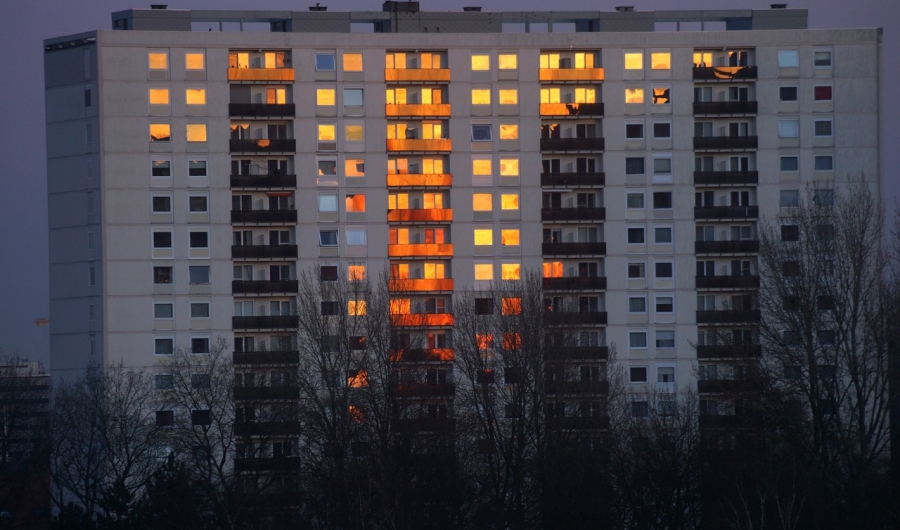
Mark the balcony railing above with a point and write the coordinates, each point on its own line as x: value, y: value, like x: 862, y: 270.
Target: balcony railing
x: 263, y: 286
x: 719, y: 386
x: 422, y: 355
x: 748, y: 246
x: 420, y: 214
x: 724, y: 73
x: 725, y: 142
x: 423, y: 390
x: 728, y: 316
x: 571, y: 109
x: 418, y: 285
x: 725, y: 107
x: 576, y: 283
x: 726, y: 212
x: 579, y: 423
x: 263, y: 216
x: 562, y: 318
x: 597, y: 248
x: 726, y: 177
x: 262, y: 145
x: 263, y: 251
x: 422, y: 320
x: 441, y: 145
x: 571, y: 74
x: 421, y: 250
x: 413, y: 180
x: 573, y: 179
x: 563, y: 353
x: 261, y: 74
x: 729, y: 351
x: 577, y: 387
x: 727, y: 282
x: 244, y: 393
x: 263, y: 181
x: 267, y: 357
x: 423, y: 425
x: 266, y: 322
x: 573, y: 214
x: 261, y: 110
x: 421, y: 75
x: 418, y: 110
x: 572, y: 144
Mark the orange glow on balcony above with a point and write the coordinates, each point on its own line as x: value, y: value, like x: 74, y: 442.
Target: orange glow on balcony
x: 421, y: 250
x: 571, y: 74
x: 421, y: 214
x: 440, y: 284
x: 422, y: 320
x: 417, y: 74
x: 420, y: 109
x: 261, y: 74
x: 358, y: 414
x: 419, y: 144
x: 420, y: 180
x: 358, y: 379
x: 423, y: 355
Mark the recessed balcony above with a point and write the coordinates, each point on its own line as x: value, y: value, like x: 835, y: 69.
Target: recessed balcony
x: 421, y: 250
x: 261, y: 110
x: 417, y: 75
x: 573, y: 179
x: 263, y: 216
x: 729, y: 351
x: 421, y: 285
x: 722, y: 386
x: 725, y: 212
x: 573, y: 214
x: 597, y: 248
x: 423, y: 425
x: 724, y: 107
x: 262, y: 145
x: 265, y: 322
x: 422, y: 355
x: 263, y: 286
x: 732, y: 178
x: 243, y: 393
x: 263, y: 181
x: 570, y: 74
x: 727, y: 282
x: 421, y: 180
x: 267, y: 357
x: 575, y: 283
x: 572, y: 144
x: 417, y: 110
x: 423, y: 390
x: 728, y: 316
x: 436, y: 145
x: 421, y: 215
x: 575, y: 318
x: 724, y: 73
x: 574, y: 353
x: 263, y: 251
x: 262, y: 75
x: 747, y: 246
x: 422, y: 320
x: 571, y: 110
x: 725, y: 143
x: 577, y: 387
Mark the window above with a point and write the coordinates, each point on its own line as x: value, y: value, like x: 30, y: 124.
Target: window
x: 634, y: 95
x: 509, y: 201
x: 509, y: 167
x: 481, y: 167
x: 507, y: 61
x: 824, y: 163
x: 353, y: 97
x: 354, y: 167
x: 199, y: 309
x: 199, y: 239
x: 164, y: 381
x: 161, y: 168
x: 664, y: 304
x: 662, y: 130
x: 790, y: 233
x: 484, y: 237
x: 789, y: 163
x: 356, y: 307
x: 328, y: 238
x: 481, y: 62
x: 356, y: 272
x: 482, y: 202
x: 509, y: 237
x: 661, y: 95
x: 662, y: 166
x: 196, y: 168
x: 481, y: 96
x: 160, y: 132
x: 328, y: 273
x: 162, y: 275
x: 195, y: 96
x: 822, y: 93
x: 194, y: 61
x: 636, y: 271
x: 484, y: 271
x: 509, y: 131
x: 165, y: 418
x: 635, y: 236
x: 355, y: 202
x: 661, y: 61
x: 162, y: 239
x: 352, y: 62
x: 328, y: 202
x: 199, y: 345
x: 198, y: 204
x: 822, y: 127
x: 634, y: 201
x: 158, y: 60
x: 662, y: 200
x: 666, y: 407
x: 640, y: 409
x: 787, y: 93
x: 637, y: 339
x: 664, y: 269
x: 637, y: 304
x: 353, y: 132
x: 510, y: 271
x: 789, y: 198
x: 822, y: 59
x: 200, y: 381
x: 325, y: 97
x: 198, y: 274
x: 325, y: 62
x: 161, y: 204
x: 634, y: 130
x: 196, y: 132
x: 634, y: 166
x: 666, y: 339
x: 159, y: 96
x: 508, y: 96
x: 355, y: 236
x: 481, y: 132
x: 788, y: 128
x: 634, y: 60
x: 662, y: 235
x: 164, y: 346
x: 201, y: 417
x: 164, y: 310
x: 788, y: 59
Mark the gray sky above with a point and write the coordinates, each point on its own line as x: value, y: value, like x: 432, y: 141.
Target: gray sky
x: 24, y: 24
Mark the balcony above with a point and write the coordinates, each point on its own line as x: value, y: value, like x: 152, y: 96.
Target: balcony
x: 423, y: 390
x: 263, y: 181
x: 748, y: 246
x: 263, y: 286
x: 412, y: 180
x: 423, y: 355
x: 579, y: 423
x: 422, y: 320
x: 563, y: 75
x: 268, y: 464
x: 262, y: 75
x: 421, y: 250
x: 573, y: 179
x: 725, y: 143
x: 724, y: 107
x: 420, y: 285
x: 423, y: 425
x: 437, y: 145
x: 266, y: 392
x: 721, y: 386
x: 573, y: 353
x: 262, y: 145
x: 726, y: 212
x: 571, y: 110
x: 577, y: 387
x: 421, y: 215
x: 267, y: 428
x: 576, y: 283
x: 597, y: 248
x: 263, y: 251
x: 417, y: 75
x: 727, y: 282
x: 725, y: 421
x: 265, y: 322
x: 573, y: 318
x: 724, y: 73
x: 734, y: 178
x: 573, y: 214
x: 267, y: 357
x: 263, y: 216
x: 572, y: 144
x: 421, y: 110
x: 731, y: 316
x: 729, y: 351
x: 261, y: 110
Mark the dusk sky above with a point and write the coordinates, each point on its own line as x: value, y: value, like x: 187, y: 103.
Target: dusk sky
x: 24, y: 24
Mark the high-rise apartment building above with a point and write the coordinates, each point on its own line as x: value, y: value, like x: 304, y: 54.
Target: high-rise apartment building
x: 197, y: 165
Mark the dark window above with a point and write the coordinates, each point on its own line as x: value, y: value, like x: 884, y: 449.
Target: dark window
x: 825, y: 303
x: 162, y: 275
x: 162, y: 239
x: 662, y: 130
x: 331, y: 308
x: 634, y: 166
x: 199, y: 239
x: 201, y: 417
x: 640, y: 409
x: 164, y: 381
x: 512, y: 411
x: 634, y: 130
x: 664, y: 270
x: 357, y: 343
x: 87, y: 97
x: 511, y: 375
x: 199, y: 380
x: 635, y: 235
x: 484, y: 306
x: 792, y: 372
x: 790, y: 268
x: 165, y: 418
x: 485, y: 377
x: 638, y: 374
x: 787, y: 93
x: 790, y: 233
x: 822, y: 93
x: 200, y: 345
x: 199, y: 274
x: 328, y: 273
x: 662, y: 199
x: 791, y: 303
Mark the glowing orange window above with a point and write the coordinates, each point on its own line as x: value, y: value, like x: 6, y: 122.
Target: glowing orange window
x: 511, y: 306
x: 512, y: 341
x: 485, y: 341
x: 358, y: 379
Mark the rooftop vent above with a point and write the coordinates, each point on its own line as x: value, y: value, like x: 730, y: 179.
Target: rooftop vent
x: 778, y: 6
x: 622, y: 9
x: 158, y: 6
x: 472, y: 8
x: 318, y: 7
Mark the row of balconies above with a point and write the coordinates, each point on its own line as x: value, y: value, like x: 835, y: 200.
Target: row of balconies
x: 728, y: 316
x: 573, y: 214
x: 596, y: 248
x: 575, y: 318
x: 725, y: 212
x: 575, y: 283
x: 727, y: 282
x: 264, y: 216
